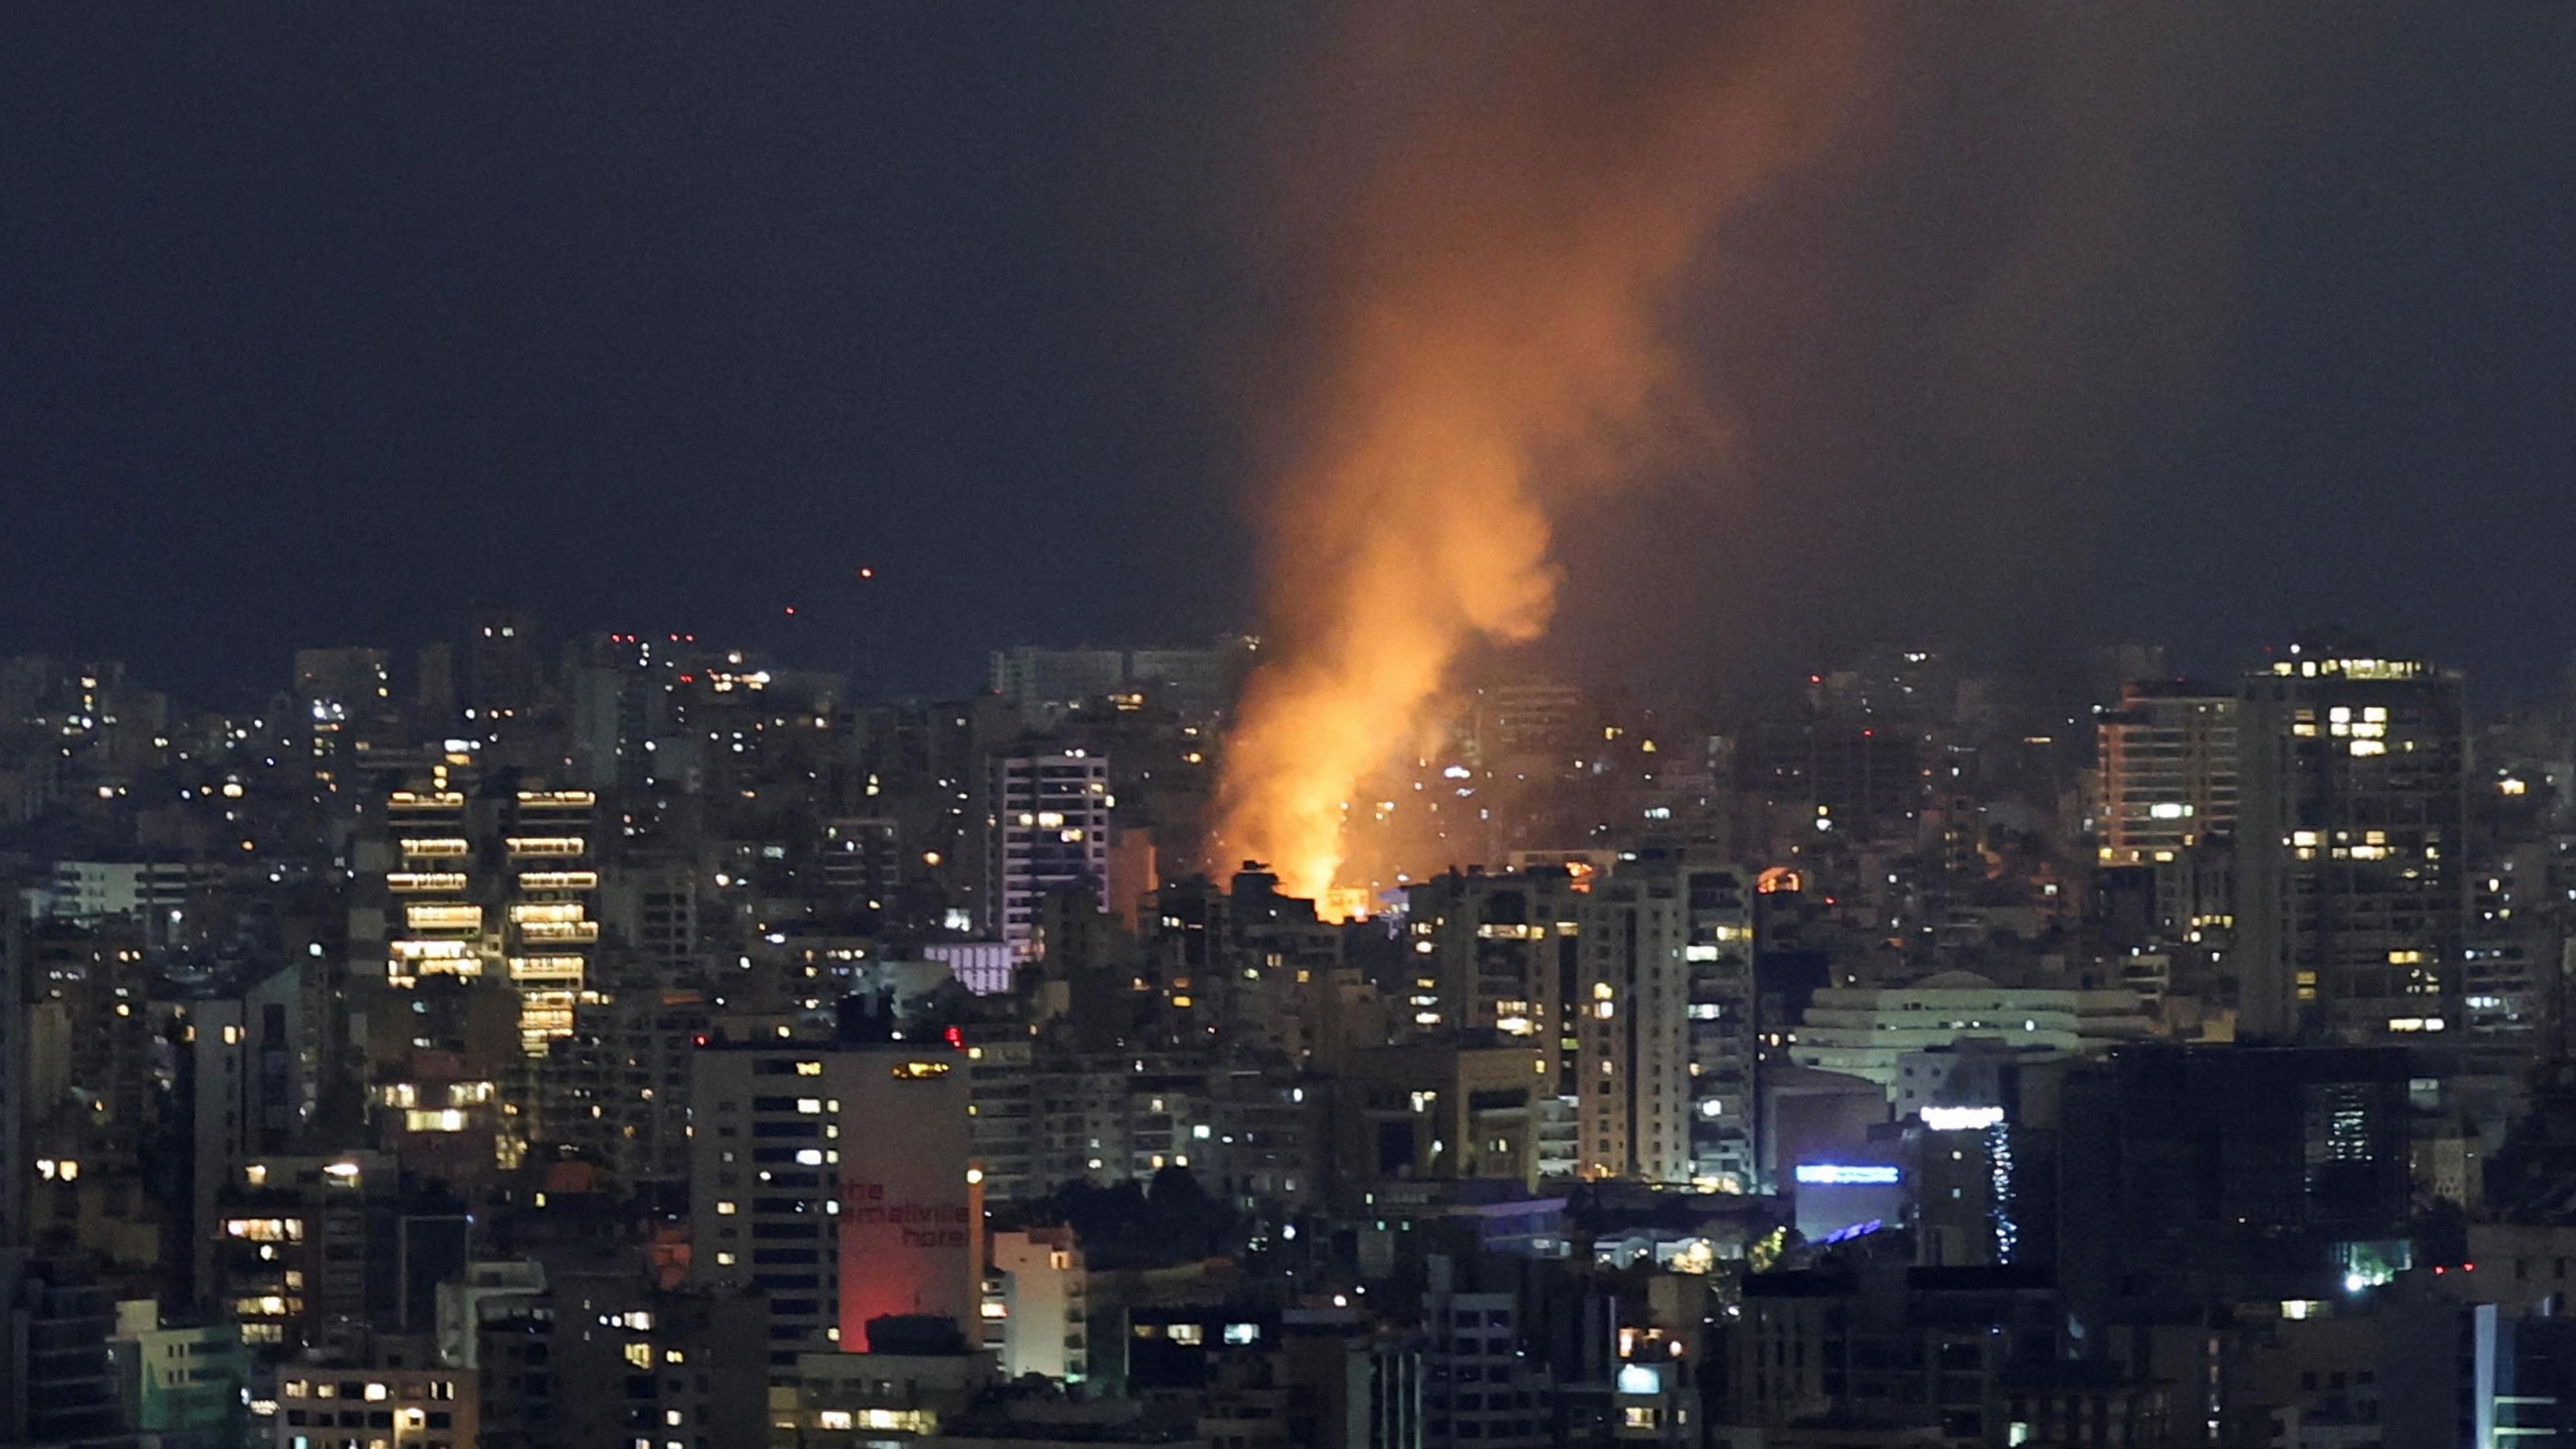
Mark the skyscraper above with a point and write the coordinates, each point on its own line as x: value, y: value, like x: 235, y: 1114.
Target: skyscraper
x: 2351, y: 848
x: 1664, y: 1023
x: 1048, y: 831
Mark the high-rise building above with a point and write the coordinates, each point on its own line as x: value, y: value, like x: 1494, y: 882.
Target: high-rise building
x: 1528, y: 717
x: 1500, y: 953
x: 1048, y: 831
x: 2351, y: 873
x: 1665, y: 1026
x: 246, y: 1062
x: 836, y: 1179
x: 2168, y: 772
x: 472, y: 934
x: 618, y: 1088
x: 491, y: 889
x: 2285, y: 1167
x: 1500, y: 949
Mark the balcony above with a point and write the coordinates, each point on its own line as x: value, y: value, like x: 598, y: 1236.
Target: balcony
x: 415, y: 801
x: 559, y: 880
x: 560, y: 933
x: 413, y: 882
x: 548, y: 970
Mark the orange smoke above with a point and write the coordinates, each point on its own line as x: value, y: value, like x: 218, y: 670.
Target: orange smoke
x: 1488, y: 351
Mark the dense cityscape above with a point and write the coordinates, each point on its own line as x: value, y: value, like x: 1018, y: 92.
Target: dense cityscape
x: 621, y: 1039
x: 1328, y: 724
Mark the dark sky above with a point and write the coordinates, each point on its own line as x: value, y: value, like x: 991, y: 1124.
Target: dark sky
x: 2175, y: 323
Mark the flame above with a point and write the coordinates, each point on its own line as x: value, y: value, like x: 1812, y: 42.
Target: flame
x: 1489, y: 351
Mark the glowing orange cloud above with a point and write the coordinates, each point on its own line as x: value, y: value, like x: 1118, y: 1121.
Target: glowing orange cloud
x: 1488, y: 350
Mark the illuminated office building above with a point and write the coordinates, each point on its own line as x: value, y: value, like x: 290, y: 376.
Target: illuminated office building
x: 474, y: 894
x: 2351, y: 872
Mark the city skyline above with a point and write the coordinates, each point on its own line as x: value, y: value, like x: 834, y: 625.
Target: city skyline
x: 1349, y: 725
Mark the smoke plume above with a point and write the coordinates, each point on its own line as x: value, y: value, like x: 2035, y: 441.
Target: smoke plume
x: 1486, y: 349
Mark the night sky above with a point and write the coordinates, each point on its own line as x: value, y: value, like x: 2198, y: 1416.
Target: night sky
x: 2184, y: 324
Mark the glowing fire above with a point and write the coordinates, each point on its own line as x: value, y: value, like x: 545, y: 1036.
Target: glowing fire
x: 1489, y: 353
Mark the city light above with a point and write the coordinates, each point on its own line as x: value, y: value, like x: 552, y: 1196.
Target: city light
x: 1829, y: 1174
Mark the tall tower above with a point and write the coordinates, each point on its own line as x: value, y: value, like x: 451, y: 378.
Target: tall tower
x: 1048, y: 830
x: 1664, y: 1024
x: 2351, y: 848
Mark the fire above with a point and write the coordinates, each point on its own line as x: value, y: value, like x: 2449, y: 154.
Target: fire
x: 1489, y: 353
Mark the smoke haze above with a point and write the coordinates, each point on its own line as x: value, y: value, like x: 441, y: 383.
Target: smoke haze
x: 1490, y: 346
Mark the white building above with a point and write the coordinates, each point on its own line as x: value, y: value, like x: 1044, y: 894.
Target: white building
x: 1866, y: 1032
x: 152, y: 894
x: 1035, y: 1310
x: 1664, y: 1025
